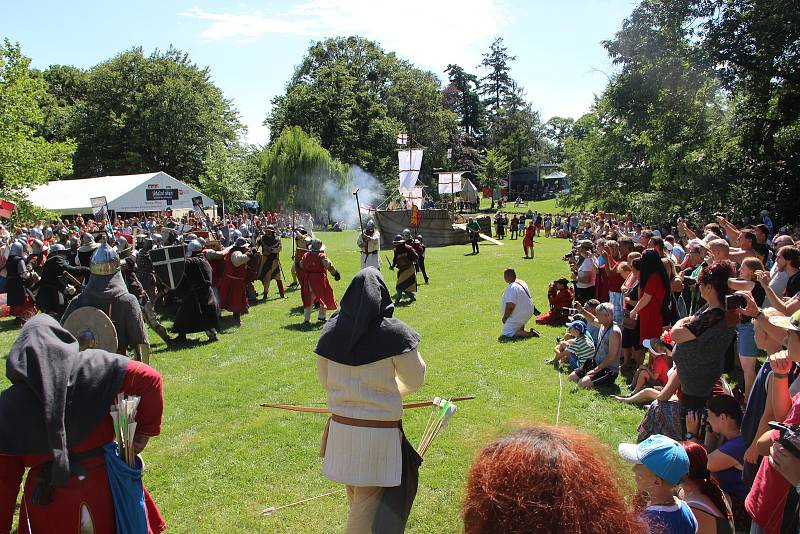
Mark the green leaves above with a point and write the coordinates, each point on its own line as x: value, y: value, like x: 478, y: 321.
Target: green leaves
x: 26, y: 158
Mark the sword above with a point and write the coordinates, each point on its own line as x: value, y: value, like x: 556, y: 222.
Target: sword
x: 391, y: 267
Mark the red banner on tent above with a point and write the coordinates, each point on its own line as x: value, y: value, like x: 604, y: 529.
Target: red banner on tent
x: 6, y: 208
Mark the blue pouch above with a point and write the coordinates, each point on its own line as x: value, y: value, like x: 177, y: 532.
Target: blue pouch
x: 127, y: 491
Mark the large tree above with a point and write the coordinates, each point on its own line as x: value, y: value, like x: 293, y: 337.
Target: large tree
x: 294, y: 170
x: 143, y: 113
x: 493, y: 167
x: 355, y: 98
x: 27, y: 158
x: 497, y: 85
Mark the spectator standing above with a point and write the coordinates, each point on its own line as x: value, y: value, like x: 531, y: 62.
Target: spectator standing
x: 651, y: 308
x: 586, y: 273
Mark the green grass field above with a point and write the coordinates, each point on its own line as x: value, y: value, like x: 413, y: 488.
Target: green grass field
x: 542, y: 206
x: 221, y: 458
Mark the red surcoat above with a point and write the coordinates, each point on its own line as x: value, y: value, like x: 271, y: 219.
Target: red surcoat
x: 62, y: 515
x: 315, y: 284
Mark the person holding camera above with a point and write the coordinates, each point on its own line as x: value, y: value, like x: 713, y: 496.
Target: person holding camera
x: 585, y: 272
x: 560, y: 298
x: 701, y: 341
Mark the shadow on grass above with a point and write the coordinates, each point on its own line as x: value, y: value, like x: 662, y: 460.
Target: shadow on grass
x: 404, y: 303
x: 515, y: 339
x: 303, y: 326
x: 9, y: 324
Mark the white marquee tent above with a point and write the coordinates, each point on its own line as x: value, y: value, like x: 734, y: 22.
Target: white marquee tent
x: 155, y: 191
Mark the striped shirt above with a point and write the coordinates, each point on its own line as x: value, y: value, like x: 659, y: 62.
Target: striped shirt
x: 582, y: 347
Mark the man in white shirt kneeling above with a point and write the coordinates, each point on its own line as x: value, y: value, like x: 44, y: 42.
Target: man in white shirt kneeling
x: 517, y: 307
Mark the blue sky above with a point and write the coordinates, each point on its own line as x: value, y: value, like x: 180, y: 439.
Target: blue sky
x: 252, y: 47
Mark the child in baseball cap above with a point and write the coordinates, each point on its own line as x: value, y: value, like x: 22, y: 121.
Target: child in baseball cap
x: 660, y: 463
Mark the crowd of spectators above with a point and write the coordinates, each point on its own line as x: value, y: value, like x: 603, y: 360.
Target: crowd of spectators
x: 704, y: 325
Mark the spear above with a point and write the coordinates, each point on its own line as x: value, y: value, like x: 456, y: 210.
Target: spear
x: 358, y: 207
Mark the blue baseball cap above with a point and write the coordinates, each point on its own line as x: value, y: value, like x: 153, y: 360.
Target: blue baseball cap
x: 664, y: 456
x: 580, y: 326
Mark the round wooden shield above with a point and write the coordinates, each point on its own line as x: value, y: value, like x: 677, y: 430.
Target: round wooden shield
x: 92, y: 328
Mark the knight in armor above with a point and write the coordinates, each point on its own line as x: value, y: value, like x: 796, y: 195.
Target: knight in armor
x: 233, y: 286
x: 419, y: 248
x: 369, y: 242
x: 405, y: 259
x: 107, y: 292
x: 301, y: 240
x: 198, y: 309
x: 128, y: 267
x: 54, y: 291
x: 315, y: 285
x: 270, y: 261
x: 19, y: 297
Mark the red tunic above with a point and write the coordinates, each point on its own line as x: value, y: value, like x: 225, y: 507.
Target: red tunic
x: 233, y: 287
x: 527, y: 241
x: 62, y: 515
x: 315, y: 284
x: 650, y: 319
x: 217, y: 271
x: 556, y: 315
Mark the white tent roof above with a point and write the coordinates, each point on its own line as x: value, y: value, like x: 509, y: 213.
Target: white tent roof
x: 127, y: 193
x: 554, y: 175
x: 468, y: 191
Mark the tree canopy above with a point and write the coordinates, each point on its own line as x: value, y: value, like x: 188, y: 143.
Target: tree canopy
x: 27, y: 158
x: 355, y: 98
x: 702, y: 114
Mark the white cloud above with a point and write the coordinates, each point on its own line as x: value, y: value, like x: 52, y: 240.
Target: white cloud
x: 428, y: 32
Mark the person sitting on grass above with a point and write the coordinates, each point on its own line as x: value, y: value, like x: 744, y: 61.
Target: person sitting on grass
x: 655, y: 374
x: 575, y: 350
x: 560, y: 297
x: 517, y: 307
x: 546, y: 479
x: 660, y: 464
x: 603, y: 369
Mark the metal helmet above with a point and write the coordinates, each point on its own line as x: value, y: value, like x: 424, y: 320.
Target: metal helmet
x: 122, y: 244
x: 315, y: 245
x: 270, y: 228
x: 241, y: 242
x: 87, y: 239
x: 105, y: 261
x: 370, y: 224
x: 193, y: 246
x: 398, y: 239
x: 244, y: 230
x: 300, y: 228
x: 158, y: 240
x: 37, y: 247
x: 16, y: 249
x: 58, y: 247
x: 48, y: 233
x: 406, y: 234
x: 189, y: 238
x: 236, y: 235
x: 201, y: 240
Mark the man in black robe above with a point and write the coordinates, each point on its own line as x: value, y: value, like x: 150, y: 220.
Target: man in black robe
x: 53, y: 291
x: 198, y: 309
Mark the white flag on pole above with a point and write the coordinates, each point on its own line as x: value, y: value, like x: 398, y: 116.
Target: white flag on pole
x: 410, y: 162
x: 450, y: 182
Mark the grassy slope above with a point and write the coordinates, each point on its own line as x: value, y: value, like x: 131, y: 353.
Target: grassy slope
x: 221, y: 458
x: 543, y: 206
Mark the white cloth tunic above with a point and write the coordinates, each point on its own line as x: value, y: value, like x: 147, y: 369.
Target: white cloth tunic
x: 516, y: 293
x: 360, y: 456
x: 372, y: 257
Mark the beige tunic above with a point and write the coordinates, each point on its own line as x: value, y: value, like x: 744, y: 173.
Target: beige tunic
x: 360, y: 456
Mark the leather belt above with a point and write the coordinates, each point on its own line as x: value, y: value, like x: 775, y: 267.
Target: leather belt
x: 367, y: 423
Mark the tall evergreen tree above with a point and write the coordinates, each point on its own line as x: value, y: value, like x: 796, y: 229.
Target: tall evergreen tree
x: 497, y: 84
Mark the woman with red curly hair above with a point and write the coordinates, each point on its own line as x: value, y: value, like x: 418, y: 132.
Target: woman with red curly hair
x: 546, y: 479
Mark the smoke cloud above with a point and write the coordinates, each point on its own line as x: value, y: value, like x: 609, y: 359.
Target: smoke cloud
x: 342, y: 201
